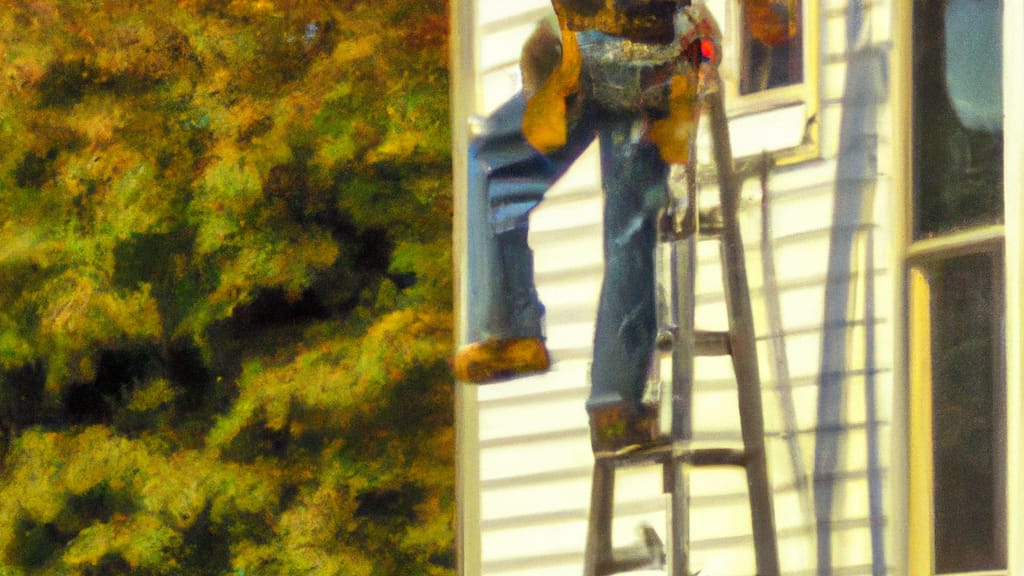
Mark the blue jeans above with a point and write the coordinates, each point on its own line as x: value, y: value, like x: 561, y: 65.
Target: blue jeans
x: 507, y: 179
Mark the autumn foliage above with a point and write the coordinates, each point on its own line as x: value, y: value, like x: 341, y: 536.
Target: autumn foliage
x: 225, y: 288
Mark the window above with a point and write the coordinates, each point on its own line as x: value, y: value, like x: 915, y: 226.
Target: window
x: 771, y: 46
x: 957, y: 296
x: 770, y: 72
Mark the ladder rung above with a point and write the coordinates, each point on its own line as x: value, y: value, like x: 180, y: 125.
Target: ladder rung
x: 664, y: 451
x: 673, y: 224
x: 657, y: 452
x: 711, y: 343
x: 717, y: 457
x: 711, y: 221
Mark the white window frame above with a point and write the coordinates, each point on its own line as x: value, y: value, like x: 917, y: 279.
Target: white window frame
x: 912, y: 497
x: 463, y: 98
x: 789, y: 113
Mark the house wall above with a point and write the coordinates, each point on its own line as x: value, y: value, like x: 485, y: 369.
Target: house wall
x: 828, y: 321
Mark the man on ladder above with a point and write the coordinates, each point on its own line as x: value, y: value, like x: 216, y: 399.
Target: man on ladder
x: 630, y: 72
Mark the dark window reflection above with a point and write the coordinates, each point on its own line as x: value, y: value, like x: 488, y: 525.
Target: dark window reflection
x: 958, y: 135
x: 772, y: 46
x: 968, y: 399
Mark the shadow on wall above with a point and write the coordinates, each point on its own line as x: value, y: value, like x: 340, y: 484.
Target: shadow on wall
x: 856, y: 174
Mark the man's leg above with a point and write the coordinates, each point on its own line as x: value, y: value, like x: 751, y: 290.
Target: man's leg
x: 635, y: 189
x: 508, y: 178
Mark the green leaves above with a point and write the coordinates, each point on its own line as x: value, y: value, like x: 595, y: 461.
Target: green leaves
x: 143, y: 541
x: 225, y: 288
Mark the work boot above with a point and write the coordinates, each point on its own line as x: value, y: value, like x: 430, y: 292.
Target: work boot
x: 620, y: 426
x: 500, y: 358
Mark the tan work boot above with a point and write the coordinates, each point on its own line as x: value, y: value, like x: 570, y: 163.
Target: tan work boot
x: 623, y: 426
x: 500, y: 358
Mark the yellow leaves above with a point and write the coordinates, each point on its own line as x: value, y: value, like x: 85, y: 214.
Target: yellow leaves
x: 336, y: 151
x: 348, y: 51
x: 316, y: 519
x: 431, y: 264
x: 309, y: 534
x: 98, y: 120
x: 228, y: 192
x: 81, y: 313
x: 264, y: 6
x: 168, y: 494
x: 96, y: 455
x: 32, y: 487
x: 258, y: 264
x: 342, y: 380
x: 176, y: 487
x: 20, y: 245
x: 233, y: 180
x: 81, y: 304
x: 250, y: 114
x: 152, y: 395
x: 143, y: 178
x: 94, y: 168
x: 26, y: 69
x: 131, y: 46
x: 142, y: 540
x: 396, y: 345
x: 25, y: 58
x: 317, y: 379
x: 396, y: 146
x: 137, y: 203
x: 249, y: 489
x: 15, y: 350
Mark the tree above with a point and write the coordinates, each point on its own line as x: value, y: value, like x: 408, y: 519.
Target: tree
x: 225, y: 297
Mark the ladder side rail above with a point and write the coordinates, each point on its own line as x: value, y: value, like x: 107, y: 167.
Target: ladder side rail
x: 683, y: 276
x: 743, y: 343
x: 679, y: 501
x: 598, y: 556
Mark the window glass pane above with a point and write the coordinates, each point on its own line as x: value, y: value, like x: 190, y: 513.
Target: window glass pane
x: 968, y: 383
x: 958, y: 134
x: 772, y: 45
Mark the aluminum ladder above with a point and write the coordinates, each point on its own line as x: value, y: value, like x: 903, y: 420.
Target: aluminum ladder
x: 674, y: 452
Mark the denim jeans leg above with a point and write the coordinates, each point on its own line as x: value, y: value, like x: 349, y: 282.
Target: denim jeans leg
x: 635, y: 188
x: 507, y: 179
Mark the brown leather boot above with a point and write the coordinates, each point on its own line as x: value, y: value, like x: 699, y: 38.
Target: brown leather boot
x: 500, y: 358
x: 623, y: 426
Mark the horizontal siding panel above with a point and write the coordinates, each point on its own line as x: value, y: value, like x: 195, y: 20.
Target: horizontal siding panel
x: 747, y: 132
x: 555, y: 415
x: 559, y: 537
x: 833, y: 80
x: 513, y: 505
x: 551, y: 456
x: 568, y: 341
x: 553, y: 219
x: 794, y: 214
x: 496, y: 85
x: 830, y: 119
x: 556, y: 565
x: 501, y: 47
x: 834, y: 33
x: 809, y: 178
